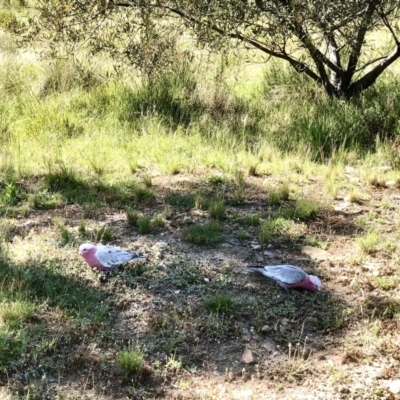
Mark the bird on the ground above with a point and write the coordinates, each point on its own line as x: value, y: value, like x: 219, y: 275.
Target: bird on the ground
x: 105, y: 258
x: 289, y: 276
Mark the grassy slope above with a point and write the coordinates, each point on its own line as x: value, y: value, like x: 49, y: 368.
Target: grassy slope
x: 79, y: 150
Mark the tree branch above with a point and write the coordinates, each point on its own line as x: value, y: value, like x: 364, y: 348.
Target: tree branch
x: 370, y: 77
x: 298, y: 65
x: 356, y: 51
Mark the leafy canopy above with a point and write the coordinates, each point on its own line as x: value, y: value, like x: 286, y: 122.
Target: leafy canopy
x: 328, y: 40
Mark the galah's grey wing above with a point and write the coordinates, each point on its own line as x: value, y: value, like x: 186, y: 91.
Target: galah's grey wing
x: 110, y: 256
x: 285, y: 273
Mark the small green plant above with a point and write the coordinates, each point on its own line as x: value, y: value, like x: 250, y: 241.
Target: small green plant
x: 82, y: 229
x: 185, y: 201
x: 144, y: 225
x: 147, y: 181
x: 61, y: 177
x: 132, y: 217
x: 252, y: 220
x: 143, y: 194
x: 368, y: 244
x: 271, y: 228
x: 130, y: 362
x: 104, y: 234
x: 220, y: 303
x: 208, y: 233
x: 173, y: 365
x: 66, y: 237
x: 201, y: 200
x: 10, y: 194
x: 304, y: 209
x: 34, y: 201
x: 386, y: 282
x: 282, y: 193
x: 167, y: 211
x: 158, y: 221
x: 252, y: 171
x: 242, y: 235
x: 216, y: 180
x: 217, y: 209
x: 13, y: 313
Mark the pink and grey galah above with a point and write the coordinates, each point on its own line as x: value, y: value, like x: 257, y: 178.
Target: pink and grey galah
x: 289, y: 276
x: 105, y: 258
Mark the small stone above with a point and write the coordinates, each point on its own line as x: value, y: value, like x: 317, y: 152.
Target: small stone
x: 247, y: 357
x: 341, y: 206
x: 162, y: 244
x: 255, y: 246
x: 390, y: 184
x: 269, y: 254
x: 265, y: 328
x: 232, y: 240
x: 231, y: 376
x: 349, y: 169
x: 207, y: 280
x: 317, y: 254
x: 187, y: 220
x: 394, y: 386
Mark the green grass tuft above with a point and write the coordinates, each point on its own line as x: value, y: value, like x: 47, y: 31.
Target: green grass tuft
x: 201, y: 234
x: 144, y: 225
x: 132, y: 217
x: 271, y: 228
x: 220, y: 304
x: 130, y: 362
x: 217, y: 209
x: 104, y: 234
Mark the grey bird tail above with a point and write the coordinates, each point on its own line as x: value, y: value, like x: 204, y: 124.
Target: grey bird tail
x: 256, y: 269
x: 138, y: 257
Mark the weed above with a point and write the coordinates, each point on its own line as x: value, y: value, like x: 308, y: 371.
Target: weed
x: 158, y: 221
x: 167, y: 211
x: 132, y: 217
x: 208, y: 233
x: 147, y: 181
x: 34, y: 201
x: 272, y: 227
x: 173, y: 365
x: 220, y: 303
x: 10, y: 194
x: 386, y: 282
x: 61, y: 177
x: 144, y: 225
x: 185, y: 201
x: 252, y: 171
x: 282, y: 193
x: 82, y: 229
x: 216, y: 180
x: 201, y: 200
x: 368, y: 243
x: 242, y: 235
x: 66, y: 237
x: 143, y: 194
x: 130, y: 362
x: 13, y: 313
x: 217, y: 209
x: 252, y: 220
x: 104, y: 234
x: 303, y: 210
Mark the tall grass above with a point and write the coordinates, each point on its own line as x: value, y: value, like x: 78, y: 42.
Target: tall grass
x: 196, y: 114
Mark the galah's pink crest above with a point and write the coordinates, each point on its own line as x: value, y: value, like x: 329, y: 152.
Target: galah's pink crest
x: 289, y: 276
x: 105, y: 258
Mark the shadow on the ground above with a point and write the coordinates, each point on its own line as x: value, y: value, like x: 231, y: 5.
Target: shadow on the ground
x: 186, y: 312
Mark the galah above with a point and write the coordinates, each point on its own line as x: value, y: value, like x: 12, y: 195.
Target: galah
x: 105, y: 258
x: 289, y: 276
